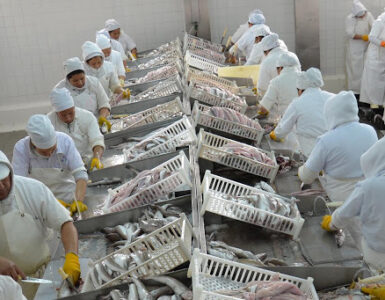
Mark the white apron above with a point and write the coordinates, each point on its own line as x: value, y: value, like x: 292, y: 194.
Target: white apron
x: 373, y: 77
x: 25, y: 244
x: 87, y: 101
x: 60, y: 181
x: 355, y: 56
x: 374, y: 259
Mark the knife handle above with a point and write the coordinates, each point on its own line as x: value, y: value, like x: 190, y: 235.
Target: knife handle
x: 63, y: 274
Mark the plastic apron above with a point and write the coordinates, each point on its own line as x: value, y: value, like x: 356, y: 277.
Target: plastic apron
x: 373, y: 78
x: 374, y: 259
x: 80, y: 139
x: 87, y: 101
x: 355, y: 56
x: 26, y: 243
x: 60, y: 181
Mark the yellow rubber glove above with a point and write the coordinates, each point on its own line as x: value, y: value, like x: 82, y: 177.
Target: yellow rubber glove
x: 74, y: 208
x: 263, y: 113
x: 365, y: 37
x: 121, y: 82
x: 65, y: 204
x: 103, y: 120
x: 126, y: 94
x: 326, y: 221
x: 96, y: 163
x: 375, y: 292
x: 255, y: 91
x: 134, y: 55
x: 274, y: 137
x: 72, y: 266
x: 127, y: 69
x: 383, y: 44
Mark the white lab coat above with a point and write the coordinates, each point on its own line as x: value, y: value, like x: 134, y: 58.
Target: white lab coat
x: 305, y: 116
x: 256, y: 56
x: 239, y: 32
x: 280, y: 93
x: 84, y: 130
x: 107, y: 76
x: 247, y: 40
x: 373, y: 76
x: 59, y: 172
x: 116, y: 59
x: 91, y: 96
x: 126, y: 41
x: 268, y: 69
x: 355, y: 49
x: 10, y: 289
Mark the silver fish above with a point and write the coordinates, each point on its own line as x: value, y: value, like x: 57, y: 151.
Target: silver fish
x: 122, y: 231
x: 142, y: 291
x: 216, y: 227
x: 102, y: 273
x: 340, y: 238
x: 178, y: 287
x: 133, y: 292
x: 116, y: 295
x: 238, y: 252
x: 164, y: 290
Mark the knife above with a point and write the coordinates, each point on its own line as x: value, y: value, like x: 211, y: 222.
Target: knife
x: 35, y: 280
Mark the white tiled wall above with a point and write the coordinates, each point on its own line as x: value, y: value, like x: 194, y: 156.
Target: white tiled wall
x: 332, y: 32
x: 36, y: 36
x: 229, y: 13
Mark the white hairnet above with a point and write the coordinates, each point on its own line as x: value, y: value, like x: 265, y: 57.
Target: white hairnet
x: 91, y: 50
x: 269, y: 42
x: 311, y: 78
x: 73, y: 64
x: 41, y: 131
x: 341, y: 108
x: 256, y: 18
x: 61, y: 99
x: 288, y: 59
x: 103, y: 42
x: 373, y: 160
x: 358, y: 8
x: 257, y: 11
x: 111, y: 24
x: 4, y: 171
x: 260, y: 30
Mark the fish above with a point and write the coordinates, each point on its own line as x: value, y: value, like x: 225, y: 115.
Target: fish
x: 222, y: 253
x: 237, y: 251
x: 178, y: 287
x: 105, y: 181
x: 149, y: 226
x: 216, y: 227
x: 339, y: 237
x: 121, y: 230
x: 113, y: 236
x: 116, y: 295
x: 275, y: 262
x: 164, y: 290
x: 102, y: 273
x: 132, y: 292
x: 143, y: 293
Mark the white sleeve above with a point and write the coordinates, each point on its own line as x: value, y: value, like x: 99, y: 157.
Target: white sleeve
x: 351, y: 208
x: 287, y: 122
x: 375, y: 33
x: 101, y: 96
x: 129, y: 41
x: 114, y: 80
x: 370, y: 19
x: 271, y: 96
x: 237, y: 34
x: 74, y: 161
x: 317, y: 159
x: 349, y: 26
x: 95, y: 137
x: 256, y: 55
x: 20, y: 159
x: 10, y: 289
x: 120, y: 67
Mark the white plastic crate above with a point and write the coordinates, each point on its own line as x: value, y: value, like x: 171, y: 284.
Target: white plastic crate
x: 168, y: 247
x: 201, y: 116
x: 180, y: 168
x: 214, y: 187
x: 210, y: 274
x: 201, y: 63
x: 211, y: 80
x: 210, y: 148
x: 179, y: 133
x: 193, y: 42
x: 209, y: 54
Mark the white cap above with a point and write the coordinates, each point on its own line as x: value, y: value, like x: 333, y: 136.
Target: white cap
x: 111, y: 24
x: 103, y: 42
x: 269, y: 42
x: 61, y: 99
x: 73, y: 64
x: 311, y: 78
x: 91, y: 50
x: 256, y: 18
x: 4, y: 171
x: 41, y: 131
x: 261, y: 30
x: 358, y: 9
x: 287, y: 59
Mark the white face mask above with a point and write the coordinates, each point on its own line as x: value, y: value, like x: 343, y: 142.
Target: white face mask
x: 98, y: 73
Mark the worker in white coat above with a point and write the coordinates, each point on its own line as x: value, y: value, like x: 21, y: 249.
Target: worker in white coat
x: 117, y: 34
x: 337, y: 152
x: 86, y: 90
x: 52, y: 158
x: 79, y: 124
x: 282, y: 89
x: 28, y: 210
x: 244, y: 27
x: 305, y: 114
x: 10, y: 289
x: 95, y: 65
x: 367, y: 203
x: 112, y: 56
x: 358, y: 25
x: 373, y: 76
x: 268, y: 70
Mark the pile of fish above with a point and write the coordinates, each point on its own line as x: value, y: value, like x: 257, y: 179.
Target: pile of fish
x: 173, y: 45
x: 162, y: 89
x: 164, y: 59
x: 154, y: 217
x: 210, y: 54
x: 222, y: 250
x: 219, y: 92
x: 248, y: 152
x: 273, y: 289
x: 267, y: 202
x: 127, y: 122
x: 233, y: 116
x: 171, y: 289
x: 163, y: 72
x: 141, y: 182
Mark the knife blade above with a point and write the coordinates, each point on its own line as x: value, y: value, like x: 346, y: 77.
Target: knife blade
x: 36, y: 280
